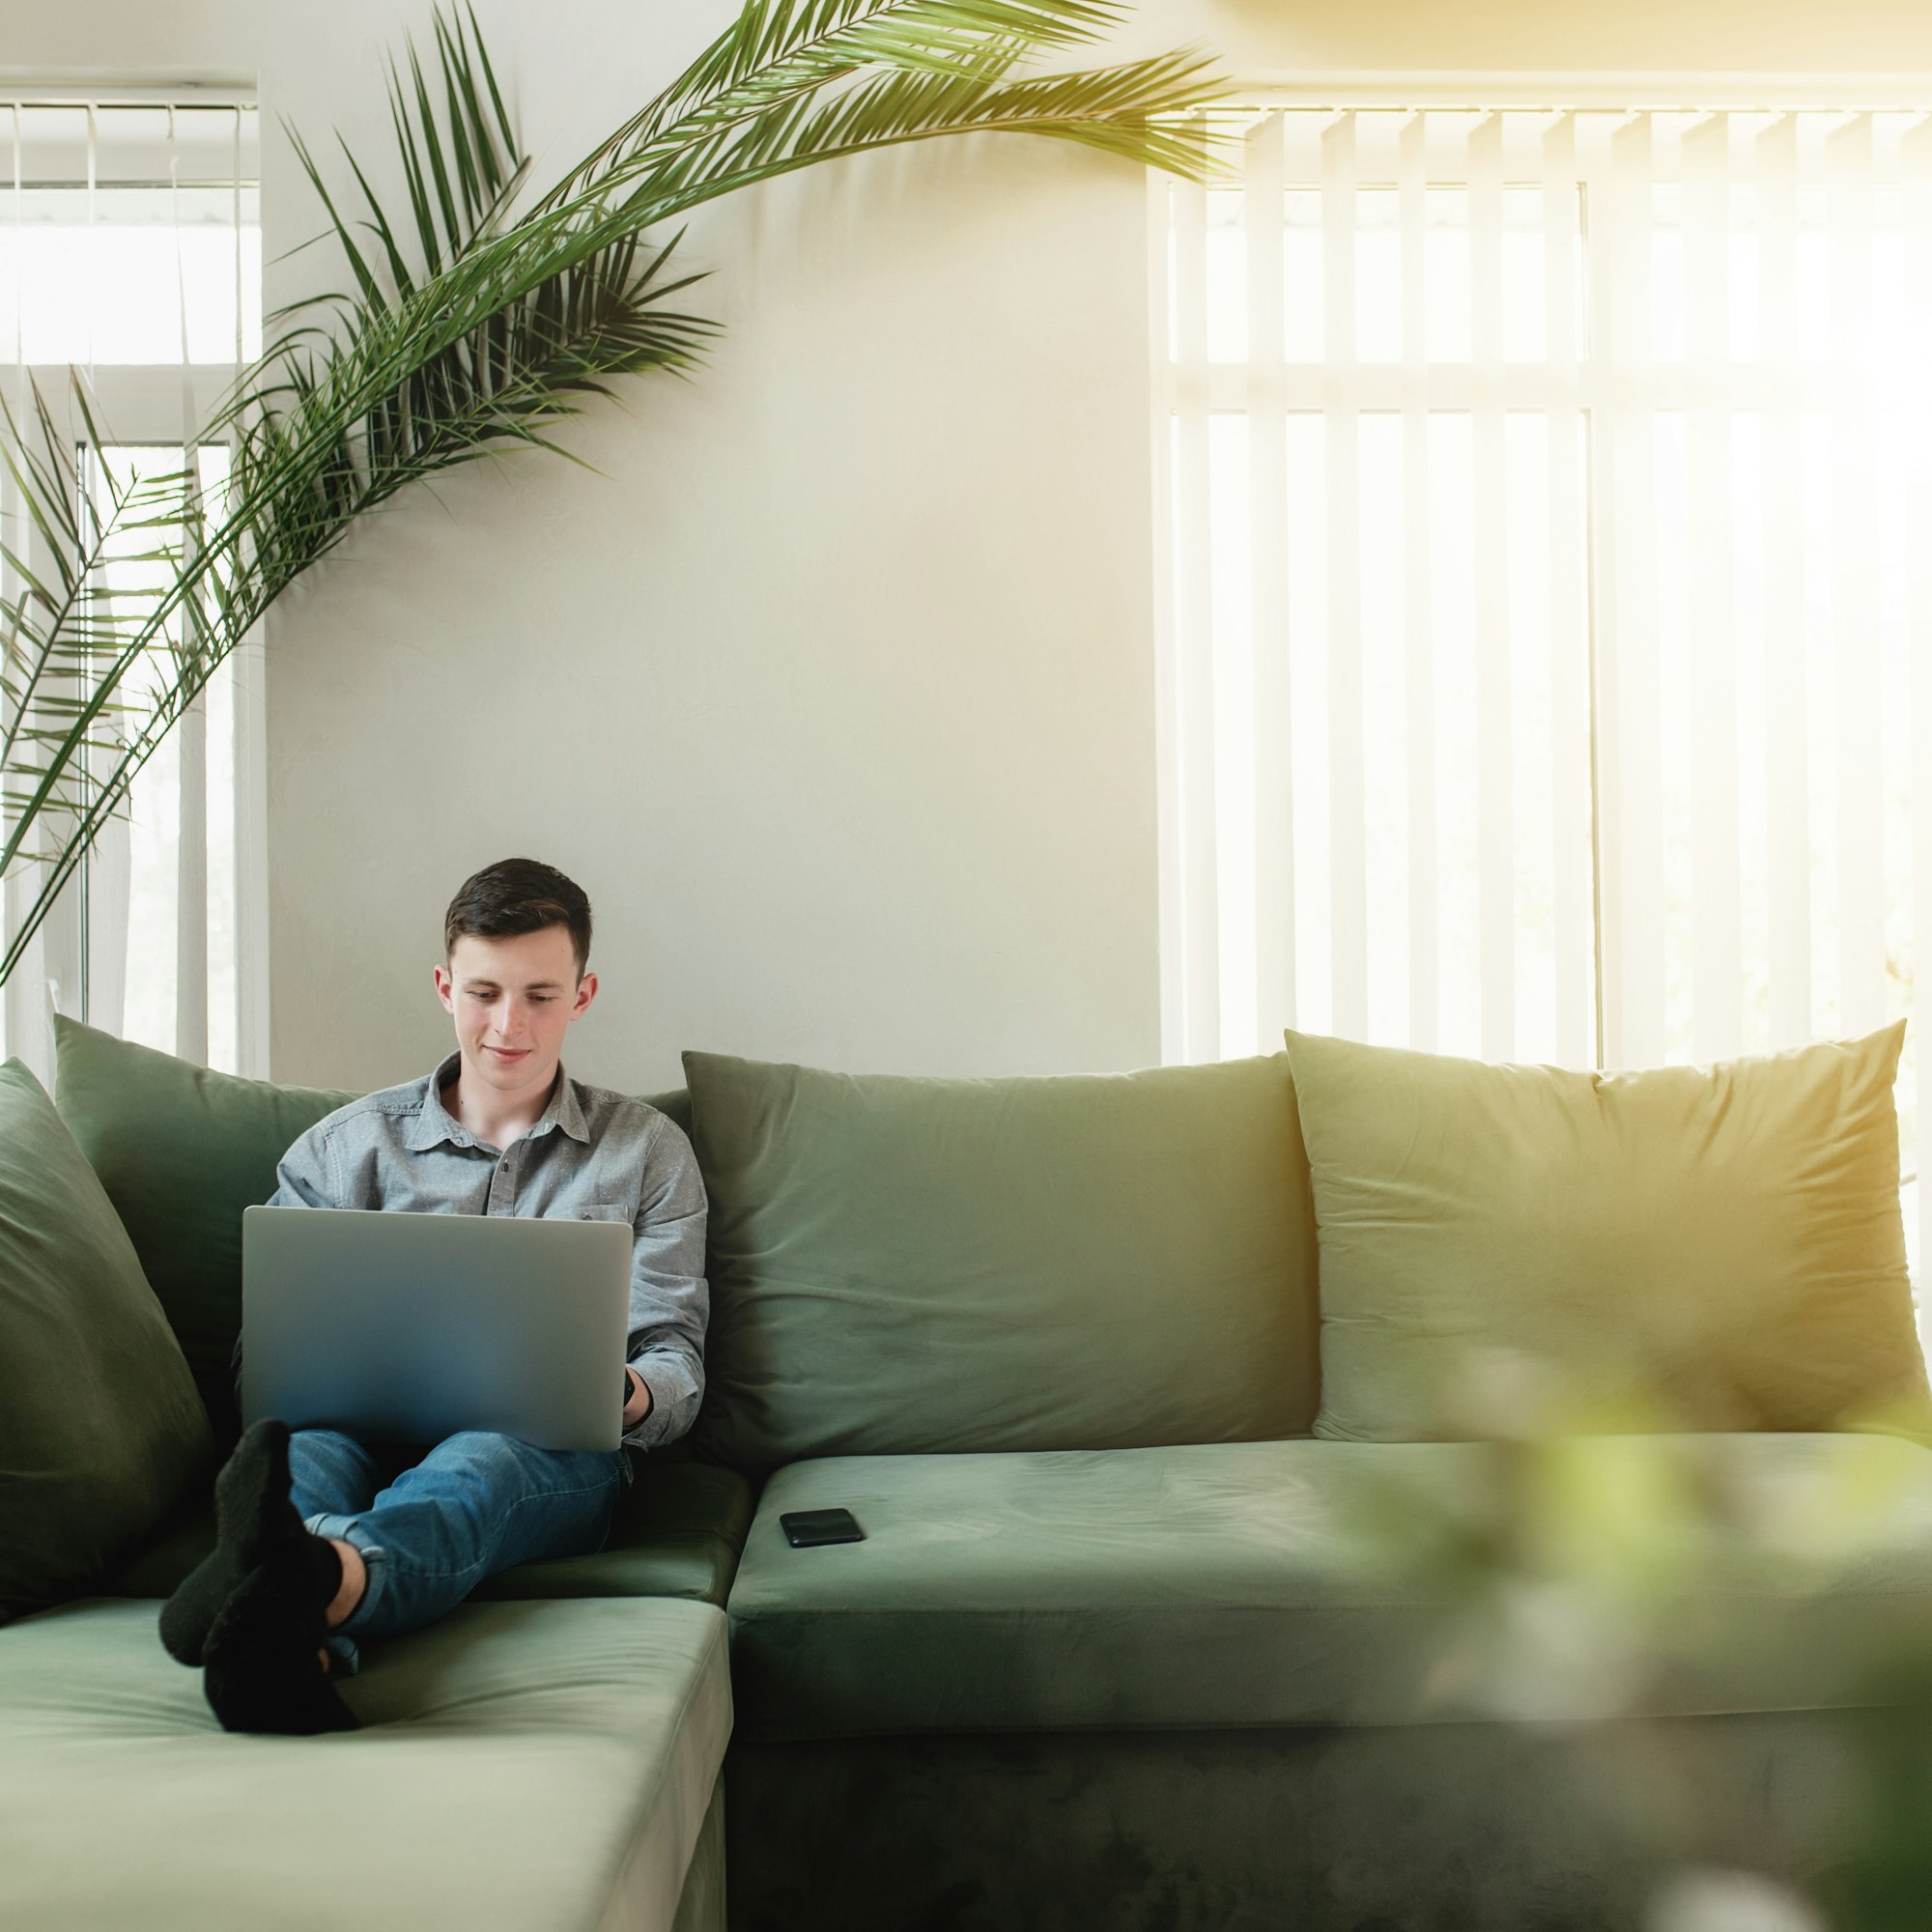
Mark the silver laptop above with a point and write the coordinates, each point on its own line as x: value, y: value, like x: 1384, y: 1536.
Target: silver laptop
x: 399, y: 1327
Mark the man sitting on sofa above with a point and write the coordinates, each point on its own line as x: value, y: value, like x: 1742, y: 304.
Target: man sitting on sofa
x: 322, y: 1540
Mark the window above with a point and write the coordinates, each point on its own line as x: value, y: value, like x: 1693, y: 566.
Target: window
x: 1545, y: 669
x: 130, y: 249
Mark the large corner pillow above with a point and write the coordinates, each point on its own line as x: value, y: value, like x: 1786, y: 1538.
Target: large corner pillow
x: 101, y: 1430
x: 902, y: 1266
x: 1511, y: 1249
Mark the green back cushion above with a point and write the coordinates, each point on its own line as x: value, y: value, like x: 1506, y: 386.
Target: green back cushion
x: 1081, y: 1262
x: 180, y: 1151
x: 100, y: 1431
x: 1507, y: 1249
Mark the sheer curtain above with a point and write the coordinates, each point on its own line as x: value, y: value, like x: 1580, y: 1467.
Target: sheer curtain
x: 129, y: 250
x: 1546, y: 600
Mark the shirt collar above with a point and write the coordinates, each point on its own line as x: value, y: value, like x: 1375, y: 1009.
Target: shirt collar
x: 435, y: 1123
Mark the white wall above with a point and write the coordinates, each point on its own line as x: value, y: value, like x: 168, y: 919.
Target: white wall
x: 130, y: 41
x: 834, y: 686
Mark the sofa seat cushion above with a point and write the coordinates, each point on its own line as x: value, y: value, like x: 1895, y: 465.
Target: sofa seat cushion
x: 1312, y: 1582
x: 522, y: 1766
x: 676, y: 1532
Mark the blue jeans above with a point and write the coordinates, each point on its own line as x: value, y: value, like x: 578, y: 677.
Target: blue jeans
x: 431, y: 1525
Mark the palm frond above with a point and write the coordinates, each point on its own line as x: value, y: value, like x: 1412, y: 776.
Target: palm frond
x: 1135, y: 111
x: 773, y: 49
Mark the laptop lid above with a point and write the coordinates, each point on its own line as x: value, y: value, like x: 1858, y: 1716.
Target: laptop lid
x: 400, y: 1327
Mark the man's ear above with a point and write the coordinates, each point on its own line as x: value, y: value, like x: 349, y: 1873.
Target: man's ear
x: 446, y: 988
x: 586, y: 991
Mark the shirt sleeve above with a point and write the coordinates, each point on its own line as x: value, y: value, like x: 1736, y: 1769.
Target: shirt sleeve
x: 670, y: 1300
x: 304, y: 1176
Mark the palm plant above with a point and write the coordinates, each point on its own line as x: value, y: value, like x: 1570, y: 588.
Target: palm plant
x: 476, y: 322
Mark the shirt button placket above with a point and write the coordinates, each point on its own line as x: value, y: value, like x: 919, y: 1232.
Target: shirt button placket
x: 503, y: 1185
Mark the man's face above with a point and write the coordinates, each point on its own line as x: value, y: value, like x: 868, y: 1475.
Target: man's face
x: 513, y: 1000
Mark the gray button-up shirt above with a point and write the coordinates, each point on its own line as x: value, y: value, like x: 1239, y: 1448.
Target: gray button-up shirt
x: 592, y: 1155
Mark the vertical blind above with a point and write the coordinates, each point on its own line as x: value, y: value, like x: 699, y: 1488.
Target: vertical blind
x: 130, y: 251
x: 1546, y: 656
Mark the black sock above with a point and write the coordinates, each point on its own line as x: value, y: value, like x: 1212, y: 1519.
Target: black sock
x: 322, y: 1564
x: 253, y: 1517
x: 262, y: 1671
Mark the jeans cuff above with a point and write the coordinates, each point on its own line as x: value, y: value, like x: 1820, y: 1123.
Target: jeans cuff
x: 345, y: 1656
x: 340, y: 1645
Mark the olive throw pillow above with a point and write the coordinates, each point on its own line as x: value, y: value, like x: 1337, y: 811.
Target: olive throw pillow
x: 100, y: 1429
x: 1509, y: 1250
x: 903, y: 1265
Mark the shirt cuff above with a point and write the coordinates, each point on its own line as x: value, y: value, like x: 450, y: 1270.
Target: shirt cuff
x: 673, y: 1403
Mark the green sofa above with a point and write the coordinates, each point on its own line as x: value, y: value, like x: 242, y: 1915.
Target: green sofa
x: 1126, y: 1645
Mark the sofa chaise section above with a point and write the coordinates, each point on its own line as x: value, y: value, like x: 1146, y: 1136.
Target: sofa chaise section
x: 531, y: 1766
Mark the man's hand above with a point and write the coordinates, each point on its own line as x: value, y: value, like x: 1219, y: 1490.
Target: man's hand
x: 640, y: 1405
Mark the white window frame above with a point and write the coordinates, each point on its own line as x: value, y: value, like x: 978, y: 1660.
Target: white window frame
x: 151, y: 404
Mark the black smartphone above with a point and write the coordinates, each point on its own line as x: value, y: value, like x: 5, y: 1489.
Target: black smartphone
x: 807, y: 1530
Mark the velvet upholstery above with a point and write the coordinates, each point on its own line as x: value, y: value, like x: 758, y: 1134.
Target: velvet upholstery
x: 100, y: 1430
x: 1526, y: 1249
x: 1083, y: 1262
x: 1302, y: 1583
x: 701, y: 1905
x: 525, y: 1766
x: 1463, y: 1827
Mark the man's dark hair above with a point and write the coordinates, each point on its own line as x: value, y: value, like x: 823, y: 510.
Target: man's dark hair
x: 517, y: 896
